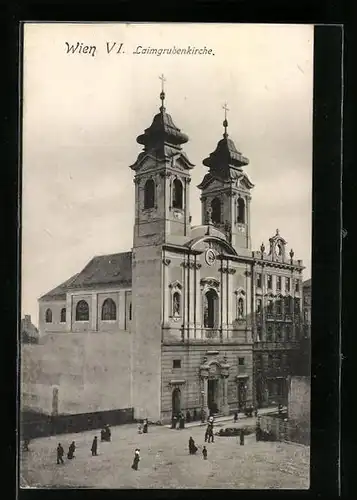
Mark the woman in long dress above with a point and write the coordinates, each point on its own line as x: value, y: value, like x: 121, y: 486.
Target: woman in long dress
x: 191, y: 446
x: 136, y: 459
x: 71, y: 450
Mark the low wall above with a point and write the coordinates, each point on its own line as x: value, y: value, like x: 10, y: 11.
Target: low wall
x: 34, y: 425
x: 281, y: 429
x: 90, y: 372
x: 299, y: 399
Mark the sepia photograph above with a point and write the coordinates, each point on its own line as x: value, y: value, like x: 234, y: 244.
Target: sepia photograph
x: 166, y: 256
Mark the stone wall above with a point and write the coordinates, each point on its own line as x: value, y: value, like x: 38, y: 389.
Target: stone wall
x: 299, y: 400
x: 90, y: 370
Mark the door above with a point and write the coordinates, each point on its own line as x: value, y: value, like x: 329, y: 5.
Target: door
x: 242, y: 394
x: 176, y: 401
x: 212, y: 395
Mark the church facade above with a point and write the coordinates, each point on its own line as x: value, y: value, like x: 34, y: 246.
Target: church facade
x: 212, y: 323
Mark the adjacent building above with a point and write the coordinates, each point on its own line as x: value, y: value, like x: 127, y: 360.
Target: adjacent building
x: 28, y: 331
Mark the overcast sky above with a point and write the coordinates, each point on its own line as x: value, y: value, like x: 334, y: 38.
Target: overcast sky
x: 82, y: 114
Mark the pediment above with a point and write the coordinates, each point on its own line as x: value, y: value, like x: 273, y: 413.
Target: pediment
x: 215, y: 243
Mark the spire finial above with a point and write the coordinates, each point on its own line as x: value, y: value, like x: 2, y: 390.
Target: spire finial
x: 225, y: 122
x: 162, y: 94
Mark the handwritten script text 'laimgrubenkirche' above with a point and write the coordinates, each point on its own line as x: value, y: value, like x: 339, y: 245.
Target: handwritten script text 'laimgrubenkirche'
x: 81, y: 48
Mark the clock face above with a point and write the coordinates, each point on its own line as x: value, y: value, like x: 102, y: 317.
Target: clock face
x: 210, y: 257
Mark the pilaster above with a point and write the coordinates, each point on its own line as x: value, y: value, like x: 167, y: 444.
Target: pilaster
x: 198, y: 299
x: 68, y: 312
x: 94, y: 316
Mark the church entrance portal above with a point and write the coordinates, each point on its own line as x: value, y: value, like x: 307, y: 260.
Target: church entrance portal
x: 212, y: 399
x: 176, y: 401
x: 242, y: 394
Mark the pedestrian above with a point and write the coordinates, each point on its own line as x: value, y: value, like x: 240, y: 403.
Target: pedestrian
x: 71, y: 450
x: 192, y: 446
x: 136, y: 460
x: 256, y: 412
x: 235, y: 416
x: 94, y: 448
x: 241, y: 437
x: 60, y: 453
x: 204, y: 453
x: 188, y: 416
x: 195, y: 414
x: 26, y: 445
x: 140, y: 429
x: 146, y: 426
x: 107, y: 433
x: 210, y: 434
x: 258, y: 433
x: 182, y: 421
x: 173, y: 421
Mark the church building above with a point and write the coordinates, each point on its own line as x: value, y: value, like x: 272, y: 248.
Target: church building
x: 212, y: 324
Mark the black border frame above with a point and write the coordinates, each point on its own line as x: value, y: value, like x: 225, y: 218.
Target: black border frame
x: 326, y: 217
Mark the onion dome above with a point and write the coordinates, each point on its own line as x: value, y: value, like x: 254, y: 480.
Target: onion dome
x: 162, y: 131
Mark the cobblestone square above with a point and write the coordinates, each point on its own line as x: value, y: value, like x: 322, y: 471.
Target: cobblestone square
x: 165, y: 462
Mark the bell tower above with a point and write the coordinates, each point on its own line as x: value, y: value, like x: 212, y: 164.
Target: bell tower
x: 226, y: 191
x: 162, y: 216
x: 162, y: 179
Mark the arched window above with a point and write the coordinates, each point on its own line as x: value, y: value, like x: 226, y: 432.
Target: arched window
x: 270, y: 306
x: 210, y: 316
x: 48, y: 316
x: 149, y: 194
x: 240, y: 311
x: 82, y: 311
x: 216, y: 211
x: 176, y: 304
x: 259, y: 306
x: 278, y: 306
x: 109, y: 310
x: 269, y: 333
x: 63, y: 315
x: 241, y: 211
x: 130, y: 311
x: 177, y: 194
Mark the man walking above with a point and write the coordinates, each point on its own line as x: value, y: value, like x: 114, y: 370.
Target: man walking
x: 210, y: 434
x: 94, y: 448
x: 60, y: 453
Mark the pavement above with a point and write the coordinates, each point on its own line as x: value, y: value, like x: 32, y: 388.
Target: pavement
x: 165, y: 462
x: 241, y: 422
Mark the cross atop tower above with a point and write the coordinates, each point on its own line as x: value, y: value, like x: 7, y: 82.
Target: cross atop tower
x: 225, y: 122
x: 162, y: 94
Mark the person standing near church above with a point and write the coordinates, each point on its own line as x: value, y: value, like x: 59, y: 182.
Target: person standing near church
x: 94, y: 448
x: 71, y: 450
x: 60, y: 453
x: 136, y: 460
x: 204, y: 453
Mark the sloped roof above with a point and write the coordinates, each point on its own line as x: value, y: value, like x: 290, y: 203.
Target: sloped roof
x: 306, y: 283
x: 112, y: 269
x: 59, y: 292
